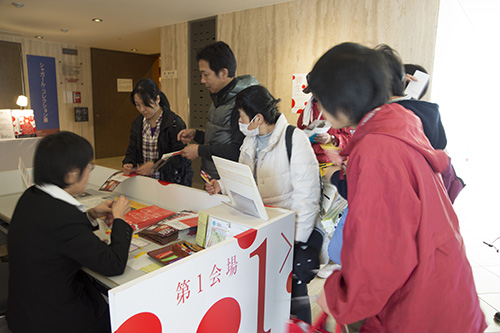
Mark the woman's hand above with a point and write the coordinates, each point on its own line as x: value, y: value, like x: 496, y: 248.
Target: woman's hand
x: 128, y: 168
x: 186, y: 135
x: 146, y: 169
x: 101, y: 210
x: 323, y: 138
x: 120, y: 208
x: 409, y: 78
x: 213, y: 187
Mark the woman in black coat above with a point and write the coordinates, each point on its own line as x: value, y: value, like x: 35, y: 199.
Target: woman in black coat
x: 51, y: 237
x: 153, y: 134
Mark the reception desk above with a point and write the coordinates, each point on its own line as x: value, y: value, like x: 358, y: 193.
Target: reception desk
x: 242, y: 284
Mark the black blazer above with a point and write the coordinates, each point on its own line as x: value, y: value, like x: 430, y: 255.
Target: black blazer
x: 49, y: 241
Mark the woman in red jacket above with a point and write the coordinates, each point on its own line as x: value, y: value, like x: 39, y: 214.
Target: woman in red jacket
x: 404, y: 263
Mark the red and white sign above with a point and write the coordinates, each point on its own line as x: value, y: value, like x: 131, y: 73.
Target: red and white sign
x: 240, y: 285
x: 23, y: 122
x: 299, y: 99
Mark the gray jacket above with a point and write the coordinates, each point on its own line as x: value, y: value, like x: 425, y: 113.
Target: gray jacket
x: 222, y: 136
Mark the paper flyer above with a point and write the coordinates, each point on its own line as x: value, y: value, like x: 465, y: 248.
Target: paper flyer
x: 114, y: 180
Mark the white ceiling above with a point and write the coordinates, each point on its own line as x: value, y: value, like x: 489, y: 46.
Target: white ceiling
x: 127, y: 24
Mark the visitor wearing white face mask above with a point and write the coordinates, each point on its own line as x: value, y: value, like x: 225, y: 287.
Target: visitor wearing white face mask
x: 287, y: 182
x: 244, y: 127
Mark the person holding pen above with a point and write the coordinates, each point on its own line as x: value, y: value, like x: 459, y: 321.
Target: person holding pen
x: 51, y: 238
x: 287, y: 175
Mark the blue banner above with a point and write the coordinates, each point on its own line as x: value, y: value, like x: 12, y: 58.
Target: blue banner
x: 43, y: 93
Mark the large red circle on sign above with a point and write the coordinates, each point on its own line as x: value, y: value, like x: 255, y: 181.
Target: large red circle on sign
x: 144, y: 322
x: 223, y: 316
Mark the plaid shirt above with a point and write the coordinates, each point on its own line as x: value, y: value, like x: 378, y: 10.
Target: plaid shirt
x: 150, y: 143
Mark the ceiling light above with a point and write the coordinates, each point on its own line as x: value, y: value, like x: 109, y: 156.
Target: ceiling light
x: 133, y: 50
x: 64, y: 30
x: 18, y: 4
x: 38, y: 37
x: 97, y: 20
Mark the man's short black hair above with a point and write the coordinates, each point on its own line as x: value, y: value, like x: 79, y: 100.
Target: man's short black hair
x: 396, y: 69
x: 350, y: 78
x: 219, y: 56
x: 58, y: 154
x: 257, y: 99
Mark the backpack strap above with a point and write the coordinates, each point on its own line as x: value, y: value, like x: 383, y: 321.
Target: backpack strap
x: 288, y: 141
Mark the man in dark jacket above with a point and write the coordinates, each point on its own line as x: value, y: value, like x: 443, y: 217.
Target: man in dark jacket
x: 222, y: 136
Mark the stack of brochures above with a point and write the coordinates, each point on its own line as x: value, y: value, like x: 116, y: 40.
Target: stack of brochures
x: 178, y: 225
x: 144, y: 217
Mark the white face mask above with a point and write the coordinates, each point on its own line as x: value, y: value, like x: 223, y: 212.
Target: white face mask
x: 244, y: 129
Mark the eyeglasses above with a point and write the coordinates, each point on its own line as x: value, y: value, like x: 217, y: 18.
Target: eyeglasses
x: 91, y: 166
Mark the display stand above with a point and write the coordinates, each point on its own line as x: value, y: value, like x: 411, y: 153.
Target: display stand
x: 242, y: 284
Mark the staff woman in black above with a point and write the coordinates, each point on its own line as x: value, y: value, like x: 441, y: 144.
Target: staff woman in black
x: 50, y: 239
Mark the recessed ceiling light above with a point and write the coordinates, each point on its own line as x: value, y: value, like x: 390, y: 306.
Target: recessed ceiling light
x: 18, y: 4
x: 134, y: 50
x: 38, y: 37
x: 64, y: 30
x: 97, y: 20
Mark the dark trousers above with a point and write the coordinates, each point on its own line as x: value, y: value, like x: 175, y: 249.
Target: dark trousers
x: 301, y: 307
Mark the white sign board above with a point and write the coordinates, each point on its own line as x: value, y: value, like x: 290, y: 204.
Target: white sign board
x: 240, y: 285
x: 240, y: 185
x: 124, y: 85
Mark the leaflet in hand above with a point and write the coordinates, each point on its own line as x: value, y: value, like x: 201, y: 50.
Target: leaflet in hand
x: 317, y: 126
x: 114, y: 180
x: 161, y: 162
x: 415, y: 88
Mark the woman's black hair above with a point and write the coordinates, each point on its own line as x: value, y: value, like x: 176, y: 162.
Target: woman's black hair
x: 350, y: 78
x: 396, y: 69
x: 147, y: 89
x: 218, y: 55
x: 58, y: 154
x: 257, y: 99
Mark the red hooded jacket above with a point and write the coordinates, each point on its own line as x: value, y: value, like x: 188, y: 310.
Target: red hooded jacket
x: 404, y: 267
